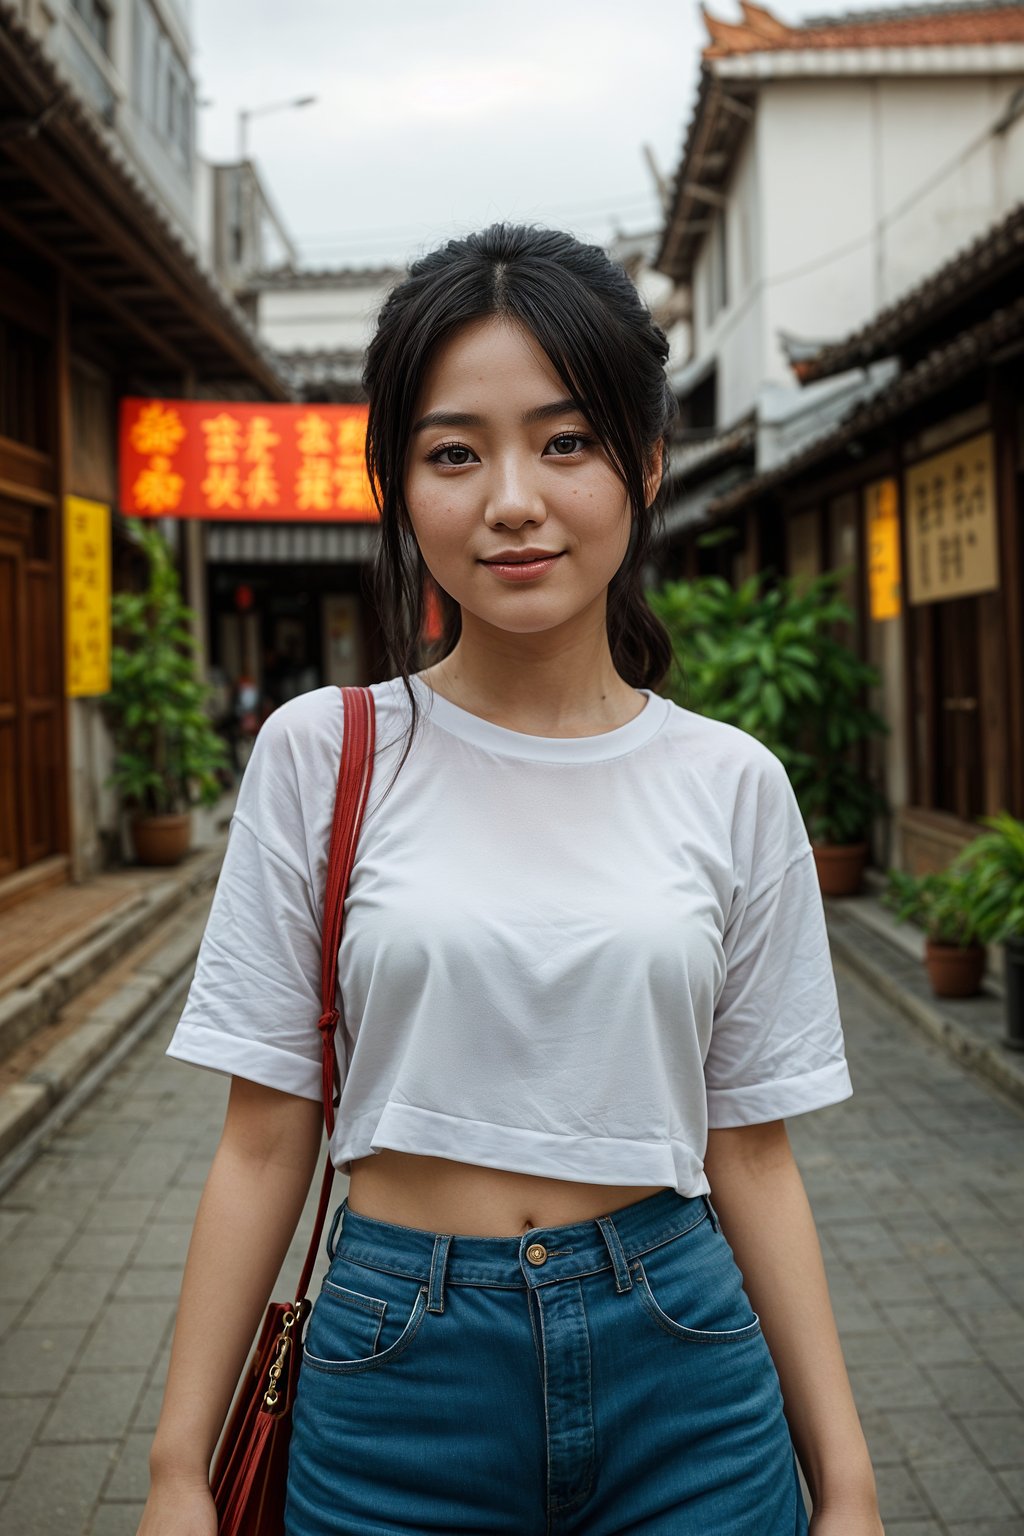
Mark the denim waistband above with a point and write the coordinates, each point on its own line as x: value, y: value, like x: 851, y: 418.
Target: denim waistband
x: 558, y: 1253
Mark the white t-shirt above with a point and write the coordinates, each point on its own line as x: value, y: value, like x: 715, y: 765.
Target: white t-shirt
x: 563, y: 956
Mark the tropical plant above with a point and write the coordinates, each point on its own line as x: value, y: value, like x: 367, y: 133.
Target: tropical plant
x: 996, y: 861
x: 167, y: 754
x: 769, y: 661
x: 948, y: 904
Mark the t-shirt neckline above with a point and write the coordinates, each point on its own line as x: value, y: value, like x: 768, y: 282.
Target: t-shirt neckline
x: 541, y: 749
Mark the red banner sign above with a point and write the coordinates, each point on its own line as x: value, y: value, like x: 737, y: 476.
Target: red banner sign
x: 260, y: 463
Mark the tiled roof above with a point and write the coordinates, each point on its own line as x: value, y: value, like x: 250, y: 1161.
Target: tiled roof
x: 911, y: 27
x: 990, y: 257
x: 690, y: 458
x: 717, y: 124
x: 323, y: 277
x: 67, y: 128
x: 964, y: 354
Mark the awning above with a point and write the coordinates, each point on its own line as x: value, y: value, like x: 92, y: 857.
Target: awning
x: 290, y: 543
x: 68, y: 191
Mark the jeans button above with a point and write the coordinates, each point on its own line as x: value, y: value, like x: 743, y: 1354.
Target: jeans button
x: 536, y: 1253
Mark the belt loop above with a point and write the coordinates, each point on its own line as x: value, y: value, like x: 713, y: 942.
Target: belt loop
x: 623, y: 1279
x: 438, y: 1266
x: 332, y: 1236
x: 712, y: 1213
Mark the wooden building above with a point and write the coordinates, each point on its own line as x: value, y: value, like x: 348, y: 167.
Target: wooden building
x: 101, y: 295
x: 919, y: 493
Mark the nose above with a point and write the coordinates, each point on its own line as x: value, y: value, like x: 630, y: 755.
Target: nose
x: 513, y: 495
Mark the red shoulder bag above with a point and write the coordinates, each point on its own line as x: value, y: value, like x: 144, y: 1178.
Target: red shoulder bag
x: 250, y: 1468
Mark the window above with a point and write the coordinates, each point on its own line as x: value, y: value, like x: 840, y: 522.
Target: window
x: 718, y: 265
x: 162, y: 88
x: 96, y: 17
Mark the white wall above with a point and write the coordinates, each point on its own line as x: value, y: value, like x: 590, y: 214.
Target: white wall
x: 816, y: 177
x: 311, y: 318
x: 832, y: 185
x: 736, y: 335
x: 111, y: 84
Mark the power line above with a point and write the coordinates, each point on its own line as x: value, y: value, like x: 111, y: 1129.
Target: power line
x: 399, y: 231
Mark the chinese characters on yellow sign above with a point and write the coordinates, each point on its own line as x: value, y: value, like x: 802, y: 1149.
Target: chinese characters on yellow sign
x: 951, y: 523
x: 881, y: 506
x: 189, y: 458
x: 87, y: 596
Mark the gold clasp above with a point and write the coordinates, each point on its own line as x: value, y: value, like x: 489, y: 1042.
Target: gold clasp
x: 270, y: 1397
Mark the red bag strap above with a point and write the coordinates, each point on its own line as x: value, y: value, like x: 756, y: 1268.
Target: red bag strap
x: 354, y: 774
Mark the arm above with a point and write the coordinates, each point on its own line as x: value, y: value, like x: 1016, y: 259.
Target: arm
x: 245, y: 1221
x: 752, y: 1172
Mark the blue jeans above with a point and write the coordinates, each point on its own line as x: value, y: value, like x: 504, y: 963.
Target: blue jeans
x: 601, y: 1377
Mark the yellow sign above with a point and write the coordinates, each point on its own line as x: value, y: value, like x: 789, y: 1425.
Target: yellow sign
x: 86, y: 596
x: 951, y: 523
x: 881, y: 506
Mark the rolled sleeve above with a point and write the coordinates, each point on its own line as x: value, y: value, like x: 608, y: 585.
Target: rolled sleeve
x: 777, y: 1045
x: 254, y: 1001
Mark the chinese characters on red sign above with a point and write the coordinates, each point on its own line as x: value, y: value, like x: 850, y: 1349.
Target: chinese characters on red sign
x: 196, y: 458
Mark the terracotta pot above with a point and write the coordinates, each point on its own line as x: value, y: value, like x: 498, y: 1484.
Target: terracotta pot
x: 954, y: 971
x: 840, y: 867
x: 161, y: 839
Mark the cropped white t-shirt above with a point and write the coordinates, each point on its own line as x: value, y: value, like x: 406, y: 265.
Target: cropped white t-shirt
x: 562, y: 956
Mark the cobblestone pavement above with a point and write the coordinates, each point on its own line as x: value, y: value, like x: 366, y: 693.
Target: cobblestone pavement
x: 916, y: 1184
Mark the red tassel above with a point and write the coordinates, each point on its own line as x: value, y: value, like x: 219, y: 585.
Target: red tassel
x: 233, y: 1518
x: 327, y: 1024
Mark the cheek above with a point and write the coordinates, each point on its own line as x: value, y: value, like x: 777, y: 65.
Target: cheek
x: 437, y: 521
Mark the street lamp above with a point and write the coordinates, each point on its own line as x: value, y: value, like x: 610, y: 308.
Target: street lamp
x: 275, y: 106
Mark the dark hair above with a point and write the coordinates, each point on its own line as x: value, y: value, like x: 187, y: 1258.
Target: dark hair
x: 602, y: 341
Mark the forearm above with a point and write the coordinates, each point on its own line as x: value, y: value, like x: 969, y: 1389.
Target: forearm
x: 767, y: 1219
x: 245, y: 1221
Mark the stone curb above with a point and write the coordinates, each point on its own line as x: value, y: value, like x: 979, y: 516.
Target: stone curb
x: 26, y: 1008
x: 970, y: 1029
x: 24, y: 1104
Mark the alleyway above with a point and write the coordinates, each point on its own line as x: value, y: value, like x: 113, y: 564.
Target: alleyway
x: 916, y: 1183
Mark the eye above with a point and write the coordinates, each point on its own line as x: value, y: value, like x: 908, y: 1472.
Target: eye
x: 435, y: 456
x: 572, y: 438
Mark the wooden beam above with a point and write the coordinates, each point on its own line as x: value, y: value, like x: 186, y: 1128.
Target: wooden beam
x: 101, y: 214
x: 132, y: 322
x: 704, y: 194
x: 739, y: 108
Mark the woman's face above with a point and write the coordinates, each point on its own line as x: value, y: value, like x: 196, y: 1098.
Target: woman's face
x: 500, y: 461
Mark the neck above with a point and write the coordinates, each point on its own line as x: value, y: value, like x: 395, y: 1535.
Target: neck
x: 561, y: 690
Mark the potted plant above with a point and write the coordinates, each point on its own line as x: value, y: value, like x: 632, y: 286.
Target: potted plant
x: 996, y: 861
x: 837, y: 799
x: 167, y: 755
x: 950, y: 907
x: 767, y: 659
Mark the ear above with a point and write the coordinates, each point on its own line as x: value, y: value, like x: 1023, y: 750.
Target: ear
x: 652, y: 479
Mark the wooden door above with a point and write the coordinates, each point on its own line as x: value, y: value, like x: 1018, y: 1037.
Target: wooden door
x: 960, y: 784
x: 13, y: 753
x: 31, y: 741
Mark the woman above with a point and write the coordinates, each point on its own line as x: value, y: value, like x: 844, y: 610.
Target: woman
x: 585, y: 975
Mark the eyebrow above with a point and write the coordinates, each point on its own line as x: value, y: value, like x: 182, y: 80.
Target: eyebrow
x: 465, y: 419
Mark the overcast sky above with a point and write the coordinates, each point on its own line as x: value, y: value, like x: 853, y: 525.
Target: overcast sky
x: 435, y: 117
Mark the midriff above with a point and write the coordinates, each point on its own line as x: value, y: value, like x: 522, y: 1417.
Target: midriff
x: 441, y: 1195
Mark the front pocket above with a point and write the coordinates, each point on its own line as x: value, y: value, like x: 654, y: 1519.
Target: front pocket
x: 692, y: 1288
x: 353, y: 1330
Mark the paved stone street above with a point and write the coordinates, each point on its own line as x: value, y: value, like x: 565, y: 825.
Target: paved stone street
x: 916, y: 1183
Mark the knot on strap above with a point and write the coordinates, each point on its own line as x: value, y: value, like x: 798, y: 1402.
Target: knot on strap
x: 328, y: 1022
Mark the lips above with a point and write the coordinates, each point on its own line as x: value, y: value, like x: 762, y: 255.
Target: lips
x: 551, y: 554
